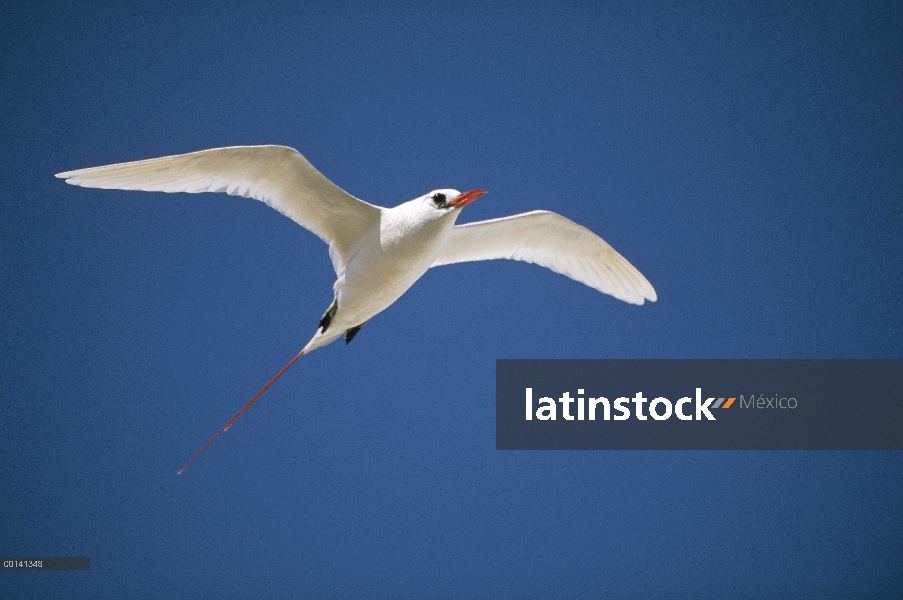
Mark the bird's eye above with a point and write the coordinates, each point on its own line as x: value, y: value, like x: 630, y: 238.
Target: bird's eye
x: 439, y: 199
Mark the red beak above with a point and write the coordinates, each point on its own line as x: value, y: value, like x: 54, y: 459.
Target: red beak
x: 466, y: 198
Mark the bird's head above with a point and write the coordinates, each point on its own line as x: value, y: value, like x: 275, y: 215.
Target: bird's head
x: 424, y: 222
x: 439, y: 208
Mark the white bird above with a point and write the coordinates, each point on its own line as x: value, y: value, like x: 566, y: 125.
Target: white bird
x: 377, y: 253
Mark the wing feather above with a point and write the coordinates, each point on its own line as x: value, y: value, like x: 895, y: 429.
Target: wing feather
x: 552, y: 241
x: 276, y: 175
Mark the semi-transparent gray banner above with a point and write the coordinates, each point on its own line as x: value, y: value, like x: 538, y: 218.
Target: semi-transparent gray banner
x: 772, y: 404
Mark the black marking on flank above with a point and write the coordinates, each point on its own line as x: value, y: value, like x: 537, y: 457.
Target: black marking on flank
x: 326, y: 319
x: 350, y: 333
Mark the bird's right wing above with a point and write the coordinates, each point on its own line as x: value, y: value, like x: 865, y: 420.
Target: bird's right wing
x: 276, y: 175
x: 552, y: 241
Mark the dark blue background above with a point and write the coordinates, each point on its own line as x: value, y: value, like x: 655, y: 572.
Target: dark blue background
x: 745, y: 157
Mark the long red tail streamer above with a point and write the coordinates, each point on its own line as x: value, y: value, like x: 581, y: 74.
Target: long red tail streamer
x: 244, y: 410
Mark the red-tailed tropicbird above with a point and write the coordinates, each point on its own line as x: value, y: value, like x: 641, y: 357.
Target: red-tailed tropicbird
x: 377, y: 253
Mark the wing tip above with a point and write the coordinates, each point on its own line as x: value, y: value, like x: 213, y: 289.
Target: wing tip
x: 640, y: 296
x: 647, y: 295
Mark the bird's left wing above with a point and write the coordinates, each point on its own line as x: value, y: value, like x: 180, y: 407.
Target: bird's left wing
x: 276, y: 175
x: 552, y: 241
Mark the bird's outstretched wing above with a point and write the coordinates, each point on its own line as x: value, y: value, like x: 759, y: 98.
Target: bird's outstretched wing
x: 552, y: 241
x: 276, y: 175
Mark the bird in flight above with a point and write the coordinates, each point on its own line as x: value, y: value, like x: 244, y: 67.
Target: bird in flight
x: 377, y: 253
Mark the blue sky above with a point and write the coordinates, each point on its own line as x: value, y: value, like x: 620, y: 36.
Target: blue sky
x: 745, y: 157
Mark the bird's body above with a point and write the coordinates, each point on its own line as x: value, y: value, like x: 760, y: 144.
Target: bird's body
x: 377, y: 253
x: 393, y: 254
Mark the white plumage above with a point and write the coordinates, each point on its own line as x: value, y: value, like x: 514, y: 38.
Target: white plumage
x: 377, y: 253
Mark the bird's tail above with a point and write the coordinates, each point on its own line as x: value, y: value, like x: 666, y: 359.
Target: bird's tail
x: 246, y: 407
